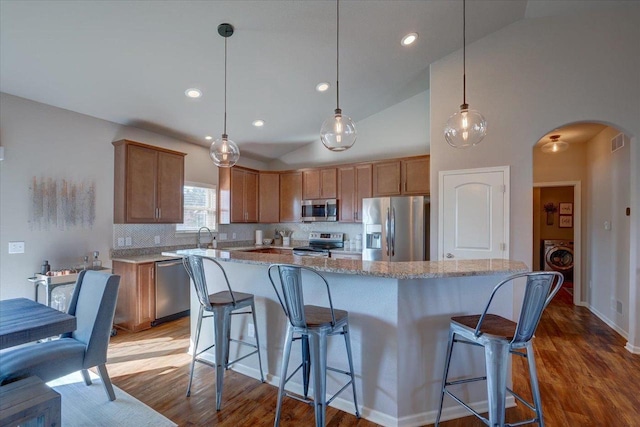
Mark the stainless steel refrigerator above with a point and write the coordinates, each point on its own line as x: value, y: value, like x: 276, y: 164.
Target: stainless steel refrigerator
x: 396, y: 228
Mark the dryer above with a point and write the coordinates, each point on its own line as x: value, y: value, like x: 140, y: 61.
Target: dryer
x: 558, y: 256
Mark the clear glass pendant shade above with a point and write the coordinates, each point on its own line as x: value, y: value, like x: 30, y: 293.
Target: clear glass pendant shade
x: 465, y: 128
x: 555, y: 146
x: 224, y: 152
x: 338, y: 132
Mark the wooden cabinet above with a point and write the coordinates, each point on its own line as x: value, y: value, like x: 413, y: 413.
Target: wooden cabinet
x: 148, y: 184
x: 29, y: 402
x: 136, y: 306
x: 415, y: 176
x: 386, y: 179
x: 401, y: 177
x: 290, y: 197
x: 354, y: 184
x: 269, y: 198
x: 319, y: 184
x: 238, y: 195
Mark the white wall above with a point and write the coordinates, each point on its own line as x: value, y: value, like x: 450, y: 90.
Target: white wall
x: 45, y: 141
x: 608, y: 197
x: 401, y: 130
x: 532, y: 77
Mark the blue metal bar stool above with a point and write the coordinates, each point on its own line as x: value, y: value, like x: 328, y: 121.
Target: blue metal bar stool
x: 501, y: 337
x: 315, y: 324
x: 221, y: 305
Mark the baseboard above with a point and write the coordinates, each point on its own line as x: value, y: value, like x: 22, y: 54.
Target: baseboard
x: 609, y: 323
x: 449, y: 413
x: 632, y: 348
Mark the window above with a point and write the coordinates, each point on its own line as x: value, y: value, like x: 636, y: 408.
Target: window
x: 199, y: 208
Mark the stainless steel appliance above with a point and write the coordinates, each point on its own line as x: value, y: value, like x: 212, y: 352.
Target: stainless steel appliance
x: 172, y: 291
x: 320, y: 244
x: 319, y: 210
x: 396, y: 228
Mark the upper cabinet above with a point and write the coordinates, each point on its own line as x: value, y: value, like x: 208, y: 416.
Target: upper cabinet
x: 319, y: 184
x: 291, y: 197
x: 148, y: 184
x: 269, y: 198
x: 354, y: 184
x: 401, y: 177
x: 238, y: 195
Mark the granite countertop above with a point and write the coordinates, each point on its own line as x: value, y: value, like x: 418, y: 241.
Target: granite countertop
x: 396, y: 270
x: 345, y: 251
x: 141, y: 259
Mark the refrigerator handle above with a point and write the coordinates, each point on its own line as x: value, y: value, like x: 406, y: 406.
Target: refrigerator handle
x: 393, y: 231
x: 386, y: 227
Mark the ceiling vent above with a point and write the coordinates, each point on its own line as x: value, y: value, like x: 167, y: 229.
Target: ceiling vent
x: 619, y: 141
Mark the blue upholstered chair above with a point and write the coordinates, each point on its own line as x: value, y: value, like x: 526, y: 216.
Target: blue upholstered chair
x: 93, y: 303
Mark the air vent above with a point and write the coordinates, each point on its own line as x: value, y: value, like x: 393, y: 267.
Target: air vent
x: 618, y: 141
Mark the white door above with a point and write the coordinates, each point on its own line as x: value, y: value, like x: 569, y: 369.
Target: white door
x: 474, y: 213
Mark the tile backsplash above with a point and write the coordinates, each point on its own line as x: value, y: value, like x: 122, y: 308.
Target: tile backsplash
x: 133, y: 236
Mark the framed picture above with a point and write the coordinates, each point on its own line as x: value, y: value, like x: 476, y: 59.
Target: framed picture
x: 566, y: 208
x: 566, y: 221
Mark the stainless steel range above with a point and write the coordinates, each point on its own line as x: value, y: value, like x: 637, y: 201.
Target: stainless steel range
x: 320, y: 244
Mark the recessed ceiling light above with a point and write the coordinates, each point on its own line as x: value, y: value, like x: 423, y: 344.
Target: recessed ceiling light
x: 208, y: 137
x: 258, y: 123
x: 193, y: 93
x: 322, y: 87
x: 409, y: 39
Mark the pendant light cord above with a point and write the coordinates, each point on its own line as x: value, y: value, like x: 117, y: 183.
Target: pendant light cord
x: 337, y: 54
x: 225, y: 86
x: 464, y: 52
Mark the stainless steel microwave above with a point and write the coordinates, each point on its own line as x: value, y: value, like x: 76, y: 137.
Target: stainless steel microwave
x: 319, y: 210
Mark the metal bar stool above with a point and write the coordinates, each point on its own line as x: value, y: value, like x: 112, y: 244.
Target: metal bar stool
x: 315, y: 324
x: 501, y: 337
x: 221, y: 305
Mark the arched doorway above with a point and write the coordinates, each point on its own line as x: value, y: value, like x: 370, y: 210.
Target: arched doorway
x: 596, y: 162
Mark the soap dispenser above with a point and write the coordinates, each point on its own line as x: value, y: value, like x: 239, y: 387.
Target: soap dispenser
x: 96, y: 264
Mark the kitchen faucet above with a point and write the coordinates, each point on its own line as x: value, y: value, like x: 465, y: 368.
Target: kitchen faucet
x: 210, y: 234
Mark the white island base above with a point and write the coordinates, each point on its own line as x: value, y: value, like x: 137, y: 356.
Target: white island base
x: 399, y: 331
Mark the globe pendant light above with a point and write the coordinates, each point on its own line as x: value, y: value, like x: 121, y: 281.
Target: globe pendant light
x: 224, y: 152
x: 338, y: 132
x: 555, y: 146
x: 465, y: 128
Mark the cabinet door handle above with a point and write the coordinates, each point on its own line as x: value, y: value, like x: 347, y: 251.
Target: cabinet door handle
x: 159, y: 213
x: 405, y: 186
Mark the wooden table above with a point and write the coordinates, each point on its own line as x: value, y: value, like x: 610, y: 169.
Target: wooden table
x: 23, y: 321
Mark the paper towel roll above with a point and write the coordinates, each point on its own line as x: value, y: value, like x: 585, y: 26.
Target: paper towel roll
x: 258, y: 237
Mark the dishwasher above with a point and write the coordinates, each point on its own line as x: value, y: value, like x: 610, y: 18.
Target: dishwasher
x: 172, y: 291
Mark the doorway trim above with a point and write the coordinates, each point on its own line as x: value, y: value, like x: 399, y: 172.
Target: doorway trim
x: 577, y: 235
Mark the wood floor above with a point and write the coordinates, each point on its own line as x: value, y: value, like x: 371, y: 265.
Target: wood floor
x: 586, y: 377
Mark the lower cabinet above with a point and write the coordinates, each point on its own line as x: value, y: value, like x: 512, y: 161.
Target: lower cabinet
x: 137, y: 295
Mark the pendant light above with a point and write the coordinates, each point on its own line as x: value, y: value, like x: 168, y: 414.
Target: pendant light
x: 555, y: 146
x: 224, y: 152
x: 465, y: 128
x: 338, y: 132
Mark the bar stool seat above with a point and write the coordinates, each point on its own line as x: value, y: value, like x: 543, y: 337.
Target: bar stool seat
x: 501, y: 338
x: 221, y: 305
x: 312, y: 325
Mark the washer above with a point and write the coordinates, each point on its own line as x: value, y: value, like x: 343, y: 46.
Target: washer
x: 558, y: 256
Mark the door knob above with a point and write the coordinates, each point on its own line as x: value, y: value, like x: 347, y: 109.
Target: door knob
x: 449, y: 255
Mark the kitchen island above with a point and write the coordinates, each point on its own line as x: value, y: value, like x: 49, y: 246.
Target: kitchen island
x: 399, y: 321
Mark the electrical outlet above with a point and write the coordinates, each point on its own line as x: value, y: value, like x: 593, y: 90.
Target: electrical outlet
x: 619, y: 307
x: 120, y: 241
x: 251, y: 330
x: 156, y: 240
x: 16, y: 247
x: 127, y: 241
x: 233, y: 236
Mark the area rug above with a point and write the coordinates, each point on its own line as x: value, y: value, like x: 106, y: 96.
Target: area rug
x: 84, y: 406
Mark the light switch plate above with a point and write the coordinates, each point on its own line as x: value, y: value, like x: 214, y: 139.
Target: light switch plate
x: 127, y: 241
x: 16, y: 247
x: 156, y: 240
x: 120, y: 241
